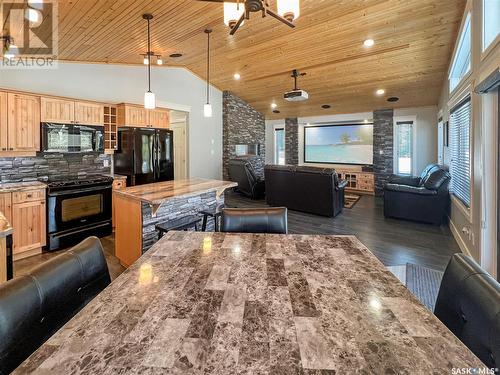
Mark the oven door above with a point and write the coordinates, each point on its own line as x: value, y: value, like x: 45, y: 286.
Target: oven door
x: 76, y: 208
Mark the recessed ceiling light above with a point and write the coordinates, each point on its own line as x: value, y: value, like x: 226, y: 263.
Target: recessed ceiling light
x: 237, y: 76
x: 176, y: 55
x: 380, y: 92
x: 276, y: 111
x: 368, y: 42
x: 393, y: 99
x: 274, y: 105
x: 326, y: 106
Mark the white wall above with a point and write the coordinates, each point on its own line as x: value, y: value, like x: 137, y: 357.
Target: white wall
x: 426, y: 131
x: 175, y: 88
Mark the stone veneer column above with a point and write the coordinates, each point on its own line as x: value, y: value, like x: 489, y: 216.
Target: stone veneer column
x: 383, y: 147
x: 292, y: 141
x: 242, y: 124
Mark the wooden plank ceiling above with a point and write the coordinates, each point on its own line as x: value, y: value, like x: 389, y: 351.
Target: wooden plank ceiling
x: 413, y: 44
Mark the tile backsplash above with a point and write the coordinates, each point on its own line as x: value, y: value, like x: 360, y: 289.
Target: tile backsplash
x: 50, y: 165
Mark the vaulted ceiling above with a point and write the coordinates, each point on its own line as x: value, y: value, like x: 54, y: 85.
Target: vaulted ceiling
x: 413, y: 44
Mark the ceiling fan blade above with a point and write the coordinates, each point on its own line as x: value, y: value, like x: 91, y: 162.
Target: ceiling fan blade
x: 238, y: 24
x: 278, y: 17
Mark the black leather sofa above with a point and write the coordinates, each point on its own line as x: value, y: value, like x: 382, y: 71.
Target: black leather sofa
x: 255, y: 220
x: 33, y: 307
x: 242, y: 172
x: 302, y: 188
x: 425, y: 198
x: 468, y: 304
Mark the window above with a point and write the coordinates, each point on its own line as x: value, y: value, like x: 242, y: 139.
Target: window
x: 491, y: 21
x: 460, y: 151
x: 279, y: 146
x: 461, y: 61
x: 404, y: 147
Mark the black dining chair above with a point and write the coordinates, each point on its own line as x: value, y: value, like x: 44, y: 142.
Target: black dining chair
x: 255, y: 220
x: 468, y: 304
x: 33, y: 307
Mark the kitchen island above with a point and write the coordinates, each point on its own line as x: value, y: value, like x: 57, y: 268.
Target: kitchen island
x: 139, y: 208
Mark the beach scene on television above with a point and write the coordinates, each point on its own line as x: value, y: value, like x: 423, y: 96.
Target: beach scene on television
x: 340, y: 144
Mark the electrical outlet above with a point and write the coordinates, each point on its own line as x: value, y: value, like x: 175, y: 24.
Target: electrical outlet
x: 106, y: 163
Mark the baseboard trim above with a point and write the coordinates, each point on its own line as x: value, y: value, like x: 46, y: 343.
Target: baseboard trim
x: 458, y: 238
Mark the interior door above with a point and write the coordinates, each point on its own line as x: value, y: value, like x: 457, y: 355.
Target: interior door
x: 165, y: 159
x: 144, y: 156
x: 180, y: 150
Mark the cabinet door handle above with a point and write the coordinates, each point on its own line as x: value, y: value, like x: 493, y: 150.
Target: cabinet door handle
x: 29, y: 195
x: 11, y: 149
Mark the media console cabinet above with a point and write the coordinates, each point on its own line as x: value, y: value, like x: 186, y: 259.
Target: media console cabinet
x: 358, y: 182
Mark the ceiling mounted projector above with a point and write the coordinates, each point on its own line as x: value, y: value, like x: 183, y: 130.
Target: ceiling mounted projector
x: 296, y: 95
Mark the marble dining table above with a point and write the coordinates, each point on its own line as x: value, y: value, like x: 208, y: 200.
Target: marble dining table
x: 216, y: 303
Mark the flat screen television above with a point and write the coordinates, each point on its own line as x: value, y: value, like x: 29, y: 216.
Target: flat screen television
x: 339, y: 144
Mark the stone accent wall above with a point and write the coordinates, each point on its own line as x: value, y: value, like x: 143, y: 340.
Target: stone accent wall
x: 383, y: 147
x: 50, y: 165
x: 242, y: 124
x: 173, y: 210
x: 292, y: 141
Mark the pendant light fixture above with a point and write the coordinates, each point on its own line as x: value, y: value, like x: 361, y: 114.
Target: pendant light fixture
x: 207, y: 108
x: 149, y: 97
x: 289, y: 9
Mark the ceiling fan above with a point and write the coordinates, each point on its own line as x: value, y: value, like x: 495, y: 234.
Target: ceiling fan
x: 237, y: 11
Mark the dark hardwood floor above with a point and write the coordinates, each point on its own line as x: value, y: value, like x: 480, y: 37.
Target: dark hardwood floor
x: 394, y: 242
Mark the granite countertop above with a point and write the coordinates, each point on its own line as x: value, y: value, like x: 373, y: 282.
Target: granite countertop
x: 5, y: 227
x: 216, y: 303
x: 21, y: 186
x: 159, y: 192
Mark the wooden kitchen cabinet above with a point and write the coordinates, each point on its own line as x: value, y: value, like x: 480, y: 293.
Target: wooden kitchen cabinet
x: 28, y: 221
x: 6, y: 206
x: 118, y: 184
x: 66, y: 111
x: 132, y: 115
x: 159, y: 118
x: 23, y: 123
x: 57, y: 110
x: 89, y: 113
x: 4, y: 142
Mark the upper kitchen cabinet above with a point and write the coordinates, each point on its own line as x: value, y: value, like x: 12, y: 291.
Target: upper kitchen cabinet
x: 137, y: 116
x: 133, y: 115
x: 66, y: 111
x: 89, y: 113
x: 159, y: 118
x: 23, y: 123
x: 57, y: 110
x: 4, y: 142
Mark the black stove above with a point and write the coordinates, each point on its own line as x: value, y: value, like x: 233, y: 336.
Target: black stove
x: 75, y: 181
x: 78, y: 207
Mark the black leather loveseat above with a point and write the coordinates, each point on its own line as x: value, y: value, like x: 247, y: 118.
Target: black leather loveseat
x: 423, y: 198
x: 309, y: 189
x: 249, y: 184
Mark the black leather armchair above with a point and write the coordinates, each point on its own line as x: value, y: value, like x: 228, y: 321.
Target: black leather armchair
x: 423, y: 198
x: 308, y: 189
x: 259, y: 220
x: 35, y: 306
x: 468, y: 304
x: 242, y: 172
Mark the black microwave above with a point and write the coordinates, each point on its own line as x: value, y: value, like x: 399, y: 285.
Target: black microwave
x: 67, y: 138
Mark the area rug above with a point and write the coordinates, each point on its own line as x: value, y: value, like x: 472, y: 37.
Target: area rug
x: 423, y: 282
x: 350, y: 200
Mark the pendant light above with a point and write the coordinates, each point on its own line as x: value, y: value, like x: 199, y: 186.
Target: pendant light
x: 149, y: 97
x: 207, y: 108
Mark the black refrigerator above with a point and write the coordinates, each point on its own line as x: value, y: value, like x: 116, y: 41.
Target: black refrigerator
x: 145, y: 155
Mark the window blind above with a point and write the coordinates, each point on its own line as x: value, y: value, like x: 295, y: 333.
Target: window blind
x: 460, y: 151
